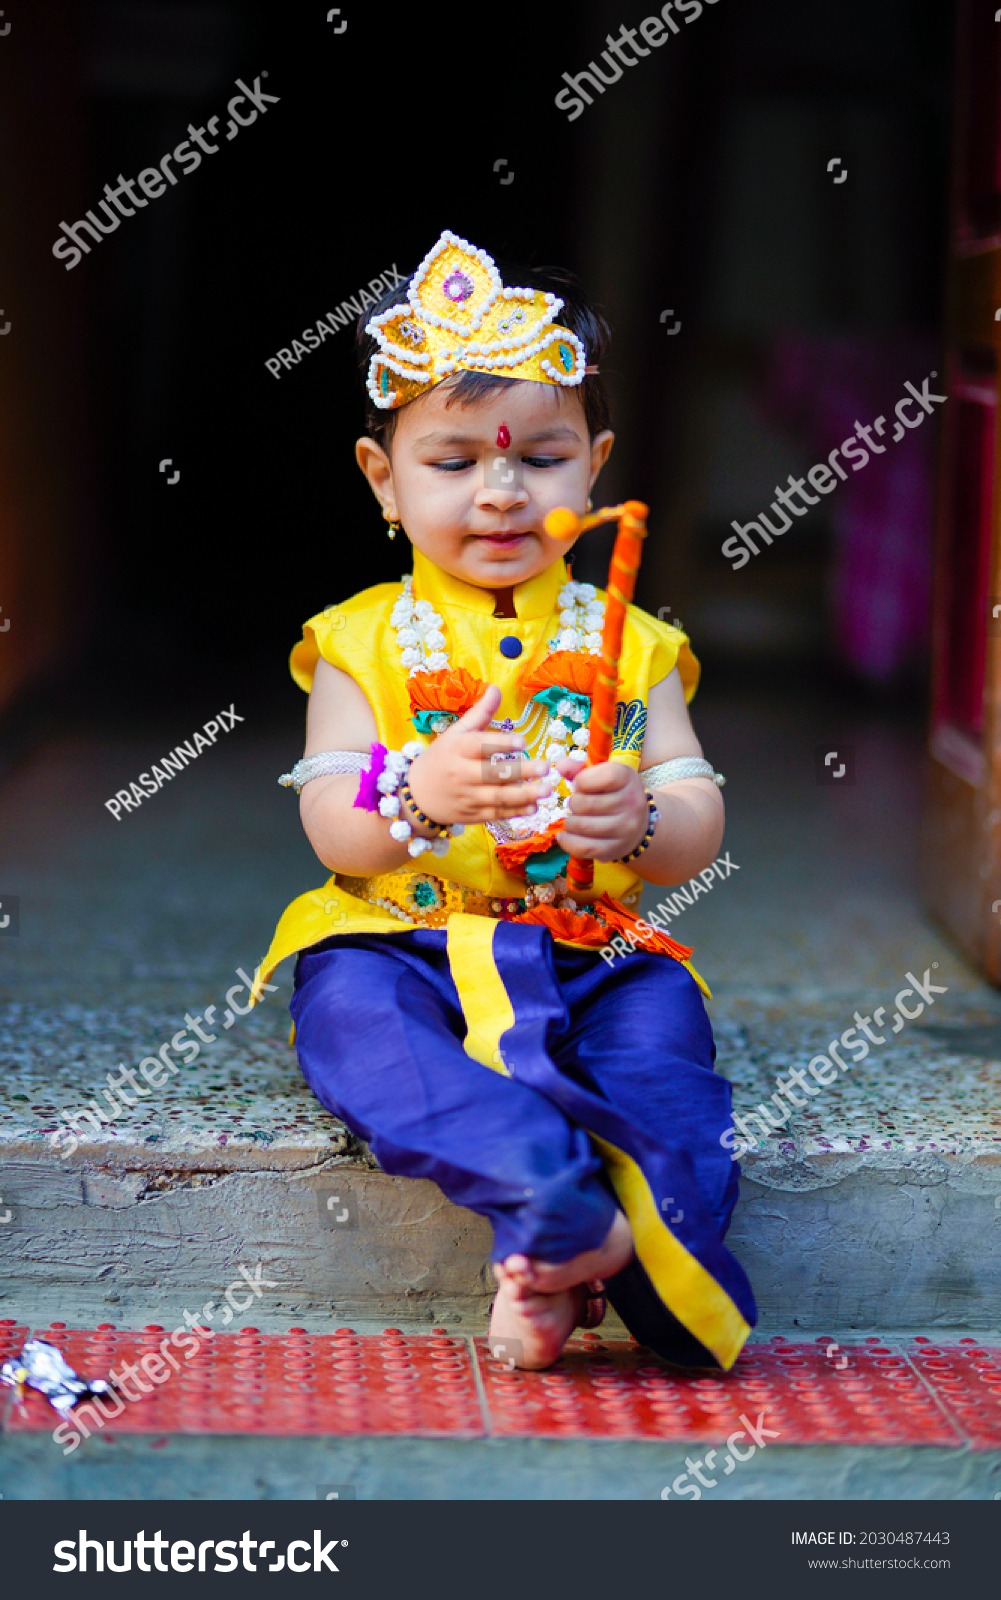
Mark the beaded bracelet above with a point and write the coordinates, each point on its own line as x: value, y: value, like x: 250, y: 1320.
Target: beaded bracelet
x: 647, y: 837
x: 680, y: 768
x: 329, y: 763
x: 441, y: 828
x: 386, y: 777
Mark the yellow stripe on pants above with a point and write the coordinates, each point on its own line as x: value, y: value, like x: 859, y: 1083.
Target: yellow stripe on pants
x: 486, y: 1005
x: 688, y: 1291
x: 681, y: 1281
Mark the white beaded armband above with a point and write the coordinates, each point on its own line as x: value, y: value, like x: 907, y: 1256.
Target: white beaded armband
x: 330, y: 763
x: 681, y: 767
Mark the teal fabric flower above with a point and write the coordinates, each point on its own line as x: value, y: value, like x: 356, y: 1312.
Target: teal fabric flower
x: 551, y: 697
x: 424, y: 721
x: 546, y: 866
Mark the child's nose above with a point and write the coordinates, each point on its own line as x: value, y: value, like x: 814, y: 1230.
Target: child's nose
x: 503, y: 480
x: 501, y: 499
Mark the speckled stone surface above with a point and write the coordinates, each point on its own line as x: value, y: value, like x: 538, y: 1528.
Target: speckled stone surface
x: 127, y: 925
x: 241, y: 1104
x: 933, y: 1090
x: 936, y: 1088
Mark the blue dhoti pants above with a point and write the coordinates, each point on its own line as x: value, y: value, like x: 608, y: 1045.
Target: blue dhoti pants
x: 602, y: 1093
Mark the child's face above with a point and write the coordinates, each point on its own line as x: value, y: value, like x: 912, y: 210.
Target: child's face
x: 473, y: 503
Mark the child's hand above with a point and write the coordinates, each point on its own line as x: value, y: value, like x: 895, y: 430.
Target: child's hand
x: 454, y: 780
x: 609, y: 813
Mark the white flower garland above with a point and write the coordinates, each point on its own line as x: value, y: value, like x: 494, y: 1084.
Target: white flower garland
x: 421, y: 639
x: 582, y: 618
x: 418, y: 632
x: 396, y: 765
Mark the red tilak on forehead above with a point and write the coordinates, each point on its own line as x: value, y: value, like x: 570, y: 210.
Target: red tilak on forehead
x: 503, y: 436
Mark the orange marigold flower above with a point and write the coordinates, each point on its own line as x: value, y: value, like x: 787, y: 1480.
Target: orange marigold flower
x: 570, y: 925
x: 578, y: 928
x: 450, y: 689
x: 570, y: 669
x: 619, y: 919
x: 512, y: 857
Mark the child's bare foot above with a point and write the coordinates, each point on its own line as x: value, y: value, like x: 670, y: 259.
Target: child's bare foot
x: 545, y: 1278
x: 529, y: 1329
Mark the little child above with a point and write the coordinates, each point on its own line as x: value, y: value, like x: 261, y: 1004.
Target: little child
x: 459, y: 1016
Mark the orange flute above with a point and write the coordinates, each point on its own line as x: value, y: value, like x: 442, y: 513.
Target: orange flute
x: 624, y: 566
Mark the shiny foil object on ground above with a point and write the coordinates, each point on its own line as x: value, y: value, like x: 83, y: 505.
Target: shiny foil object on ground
x: 41, y: 1366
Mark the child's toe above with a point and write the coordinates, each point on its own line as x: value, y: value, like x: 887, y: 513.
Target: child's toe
x: 519, y: 1265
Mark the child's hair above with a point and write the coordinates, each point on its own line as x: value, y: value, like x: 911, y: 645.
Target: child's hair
x: 577, y: 316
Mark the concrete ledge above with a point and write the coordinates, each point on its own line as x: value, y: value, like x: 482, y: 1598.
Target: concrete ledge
x: 866, y: 1248
x: 185, y: 1468
x: 104, y: 1238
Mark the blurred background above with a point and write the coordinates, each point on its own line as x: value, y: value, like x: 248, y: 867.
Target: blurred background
x: 697, y: 193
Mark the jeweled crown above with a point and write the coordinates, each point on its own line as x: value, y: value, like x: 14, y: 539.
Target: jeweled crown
x: 460, y: 316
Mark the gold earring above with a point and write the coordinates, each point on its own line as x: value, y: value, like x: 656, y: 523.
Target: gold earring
x: 394, y: 526
x: 589, y: 502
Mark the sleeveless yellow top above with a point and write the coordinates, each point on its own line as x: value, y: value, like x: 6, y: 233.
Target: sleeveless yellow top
x: 358, y: 637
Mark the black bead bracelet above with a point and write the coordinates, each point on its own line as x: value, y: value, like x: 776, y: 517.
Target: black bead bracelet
x: 645, y: 841
x: 441, y: 828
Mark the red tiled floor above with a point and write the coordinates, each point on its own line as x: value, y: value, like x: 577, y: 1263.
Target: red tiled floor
x: 617, y: 1390
x: 12, y: 1337
x: 295, y: 1383
x: 810, y: 1392
x: 966, y: 1377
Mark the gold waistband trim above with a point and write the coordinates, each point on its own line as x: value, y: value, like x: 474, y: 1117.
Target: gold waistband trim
x: 423, y: 900
x: 420, y: 898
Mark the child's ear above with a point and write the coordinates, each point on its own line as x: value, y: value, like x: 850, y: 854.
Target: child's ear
x: 376, y: 466
x: 601, y: 445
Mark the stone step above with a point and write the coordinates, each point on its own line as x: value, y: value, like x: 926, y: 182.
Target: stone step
x: 877, y: 1205
x: 365, y: 1467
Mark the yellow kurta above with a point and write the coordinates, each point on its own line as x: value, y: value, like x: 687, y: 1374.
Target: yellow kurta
x: 359, y: 637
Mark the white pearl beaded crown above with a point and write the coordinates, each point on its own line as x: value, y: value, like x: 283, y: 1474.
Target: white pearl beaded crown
x: 459, y: 315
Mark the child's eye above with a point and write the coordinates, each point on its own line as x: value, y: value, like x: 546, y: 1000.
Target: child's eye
x: 543, y: 461
x: 450, y: 466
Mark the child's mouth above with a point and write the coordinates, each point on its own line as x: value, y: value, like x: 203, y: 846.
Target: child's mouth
x: 504, y: 536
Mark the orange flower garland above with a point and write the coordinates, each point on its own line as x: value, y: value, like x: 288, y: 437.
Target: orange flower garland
x: 577, y: 928
x: 449, y: 689
x: 512, y: 857
x: 564, y: 669
x: 568, y: 925
x: 453, y: 689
